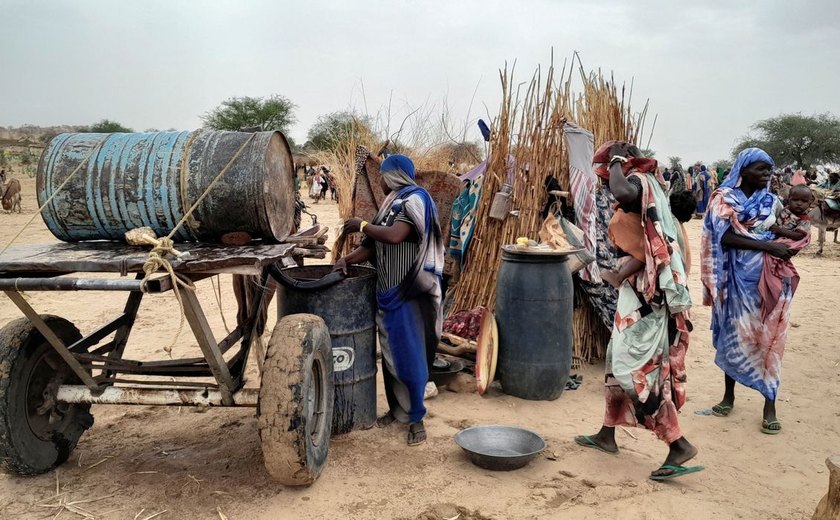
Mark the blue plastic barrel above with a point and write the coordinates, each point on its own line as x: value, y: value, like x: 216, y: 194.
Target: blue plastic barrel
x: 534, y: 306
x: 152, y: 179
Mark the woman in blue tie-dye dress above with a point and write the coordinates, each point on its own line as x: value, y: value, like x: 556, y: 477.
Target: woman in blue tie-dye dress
x: 736, y: 238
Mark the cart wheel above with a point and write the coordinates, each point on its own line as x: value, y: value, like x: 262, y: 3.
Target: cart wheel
x: 296, y: 400
x: 36, y: 433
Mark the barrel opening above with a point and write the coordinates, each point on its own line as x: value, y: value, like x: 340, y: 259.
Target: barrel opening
x: 316, y: 272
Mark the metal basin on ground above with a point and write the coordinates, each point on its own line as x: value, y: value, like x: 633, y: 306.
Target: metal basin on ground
x: 498, y: 447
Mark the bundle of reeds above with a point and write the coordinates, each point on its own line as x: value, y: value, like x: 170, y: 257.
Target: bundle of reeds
x: 526, y: 146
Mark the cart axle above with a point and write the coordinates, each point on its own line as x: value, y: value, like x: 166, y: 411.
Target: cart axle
x: 154, y: 396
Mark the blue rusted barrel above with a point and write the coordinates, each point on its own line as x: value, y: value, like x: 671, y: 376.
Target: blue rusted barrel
x: 349, y: 310
x: 152, y: 179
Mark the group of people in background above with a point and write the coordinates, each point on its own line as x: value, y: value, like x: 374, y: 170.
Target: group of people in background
x: 320, y: 182
x: 698, y: 180
x: 702, y: 182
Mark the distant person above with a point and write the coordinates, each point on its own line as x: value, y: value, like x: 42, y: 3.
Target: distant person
x: 677, y: 181
x: 325, y: 183
x: 3, y: 176
x: 832, y: 183
x: 702, y: 190
x: 798, y: 178
x: 315, y: 187
x: 787, y: 176
x: 333, y: 188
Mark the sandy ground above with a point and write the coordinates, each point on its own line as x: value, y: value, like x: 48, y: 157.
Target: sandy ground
x: 138, y: 461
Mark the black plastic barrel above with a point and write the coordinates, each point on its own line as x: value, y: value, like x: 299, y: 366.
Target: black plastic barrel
x: 534, y: 306
x: 152, y: 179
x: 349, y: 310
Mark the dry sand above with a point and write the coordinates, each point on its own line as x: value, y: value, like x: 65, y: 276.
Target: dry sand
x: 194, y: 464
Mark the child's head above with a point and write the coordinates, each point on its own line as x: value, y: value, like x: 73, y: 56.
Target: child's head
x: 683, y: 205
x: 799, y: 199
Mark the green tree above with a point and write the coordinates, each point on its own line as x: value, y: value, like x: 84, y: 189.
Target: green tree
x: 675, y: 163
x: 272, y: 113
x: 797, y: 140
x: 335, y: 128
x: 106, y: 126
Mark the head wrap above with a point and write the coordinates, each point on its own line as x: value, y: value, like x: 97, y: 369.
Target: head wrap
x: 397, y: 171
x: 703, y: 168
x: 601, y: 162
x: 744, y: 159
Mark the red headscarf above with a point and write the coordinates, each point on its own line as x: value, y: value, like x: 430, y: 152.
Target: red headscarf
x: 601, y: 162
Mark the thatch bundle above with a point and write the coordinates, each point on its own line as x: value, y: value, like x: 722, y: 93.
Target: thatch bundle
x: 527, y: 145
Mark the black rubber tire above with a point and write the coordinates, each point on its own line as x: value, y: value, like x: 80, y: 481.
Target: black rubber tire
x: 295, y: 406
x: 23, y: 377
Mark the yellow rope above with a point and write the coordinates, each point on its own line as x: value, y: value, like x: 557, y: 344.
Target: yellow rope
x: 157, y: 260
x: 56, y: 192
x: 216, y: 179
x: 217, y: 292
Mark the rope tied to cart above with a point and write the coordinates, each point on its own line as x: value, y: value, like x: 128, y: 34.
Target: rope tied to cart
x: 158, y: 261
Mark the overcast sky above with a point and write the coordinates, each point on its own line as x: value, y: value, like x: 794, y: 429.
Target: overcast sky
x: 710, y: 68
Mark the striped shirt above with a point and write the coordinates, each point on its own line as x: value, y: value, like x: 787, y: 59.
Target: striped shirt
x: 394, y: 261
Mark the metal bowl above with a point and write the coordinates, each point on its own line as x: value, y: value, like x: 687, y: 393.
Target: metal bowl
x: 443, y: 376
x: 499, y: 448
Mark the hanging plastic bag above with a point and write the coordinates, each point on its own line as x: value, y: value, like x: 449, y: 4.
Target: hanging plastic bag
x: 571, y: 234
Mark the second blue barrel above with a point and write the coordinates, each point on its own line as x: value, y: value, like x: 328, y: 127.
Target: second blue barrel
x: 534, y: 309
x: 349, y: 310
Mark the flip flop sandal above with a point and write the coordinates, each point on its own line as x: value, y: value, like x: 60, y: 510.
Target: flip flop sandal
x: 416, y: 434
x: 676, y: 471
x: 719, y: 410
x: 587, y: 442
x: 385, y: 420
x: 767, y: 427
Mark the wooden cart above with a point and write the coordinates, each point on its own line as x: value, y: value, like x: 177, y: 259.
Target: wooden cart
x: 50, y: 374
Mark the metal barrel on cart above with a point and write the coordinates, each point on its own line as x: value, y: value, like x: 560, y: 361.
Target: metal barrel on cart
x: 349, y: 310
x: 103, y: 185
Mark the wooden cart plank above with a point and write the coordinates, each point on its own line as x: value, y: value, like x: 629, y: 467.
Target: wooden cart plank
x: 112, y: 257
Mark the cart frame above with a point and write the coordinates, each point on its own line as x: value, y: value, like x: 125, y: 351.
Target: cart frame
x: 107, y: 376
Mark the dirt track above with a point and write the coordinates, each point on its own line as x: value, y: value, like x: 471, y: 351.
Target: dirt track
x: 193, y: 464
